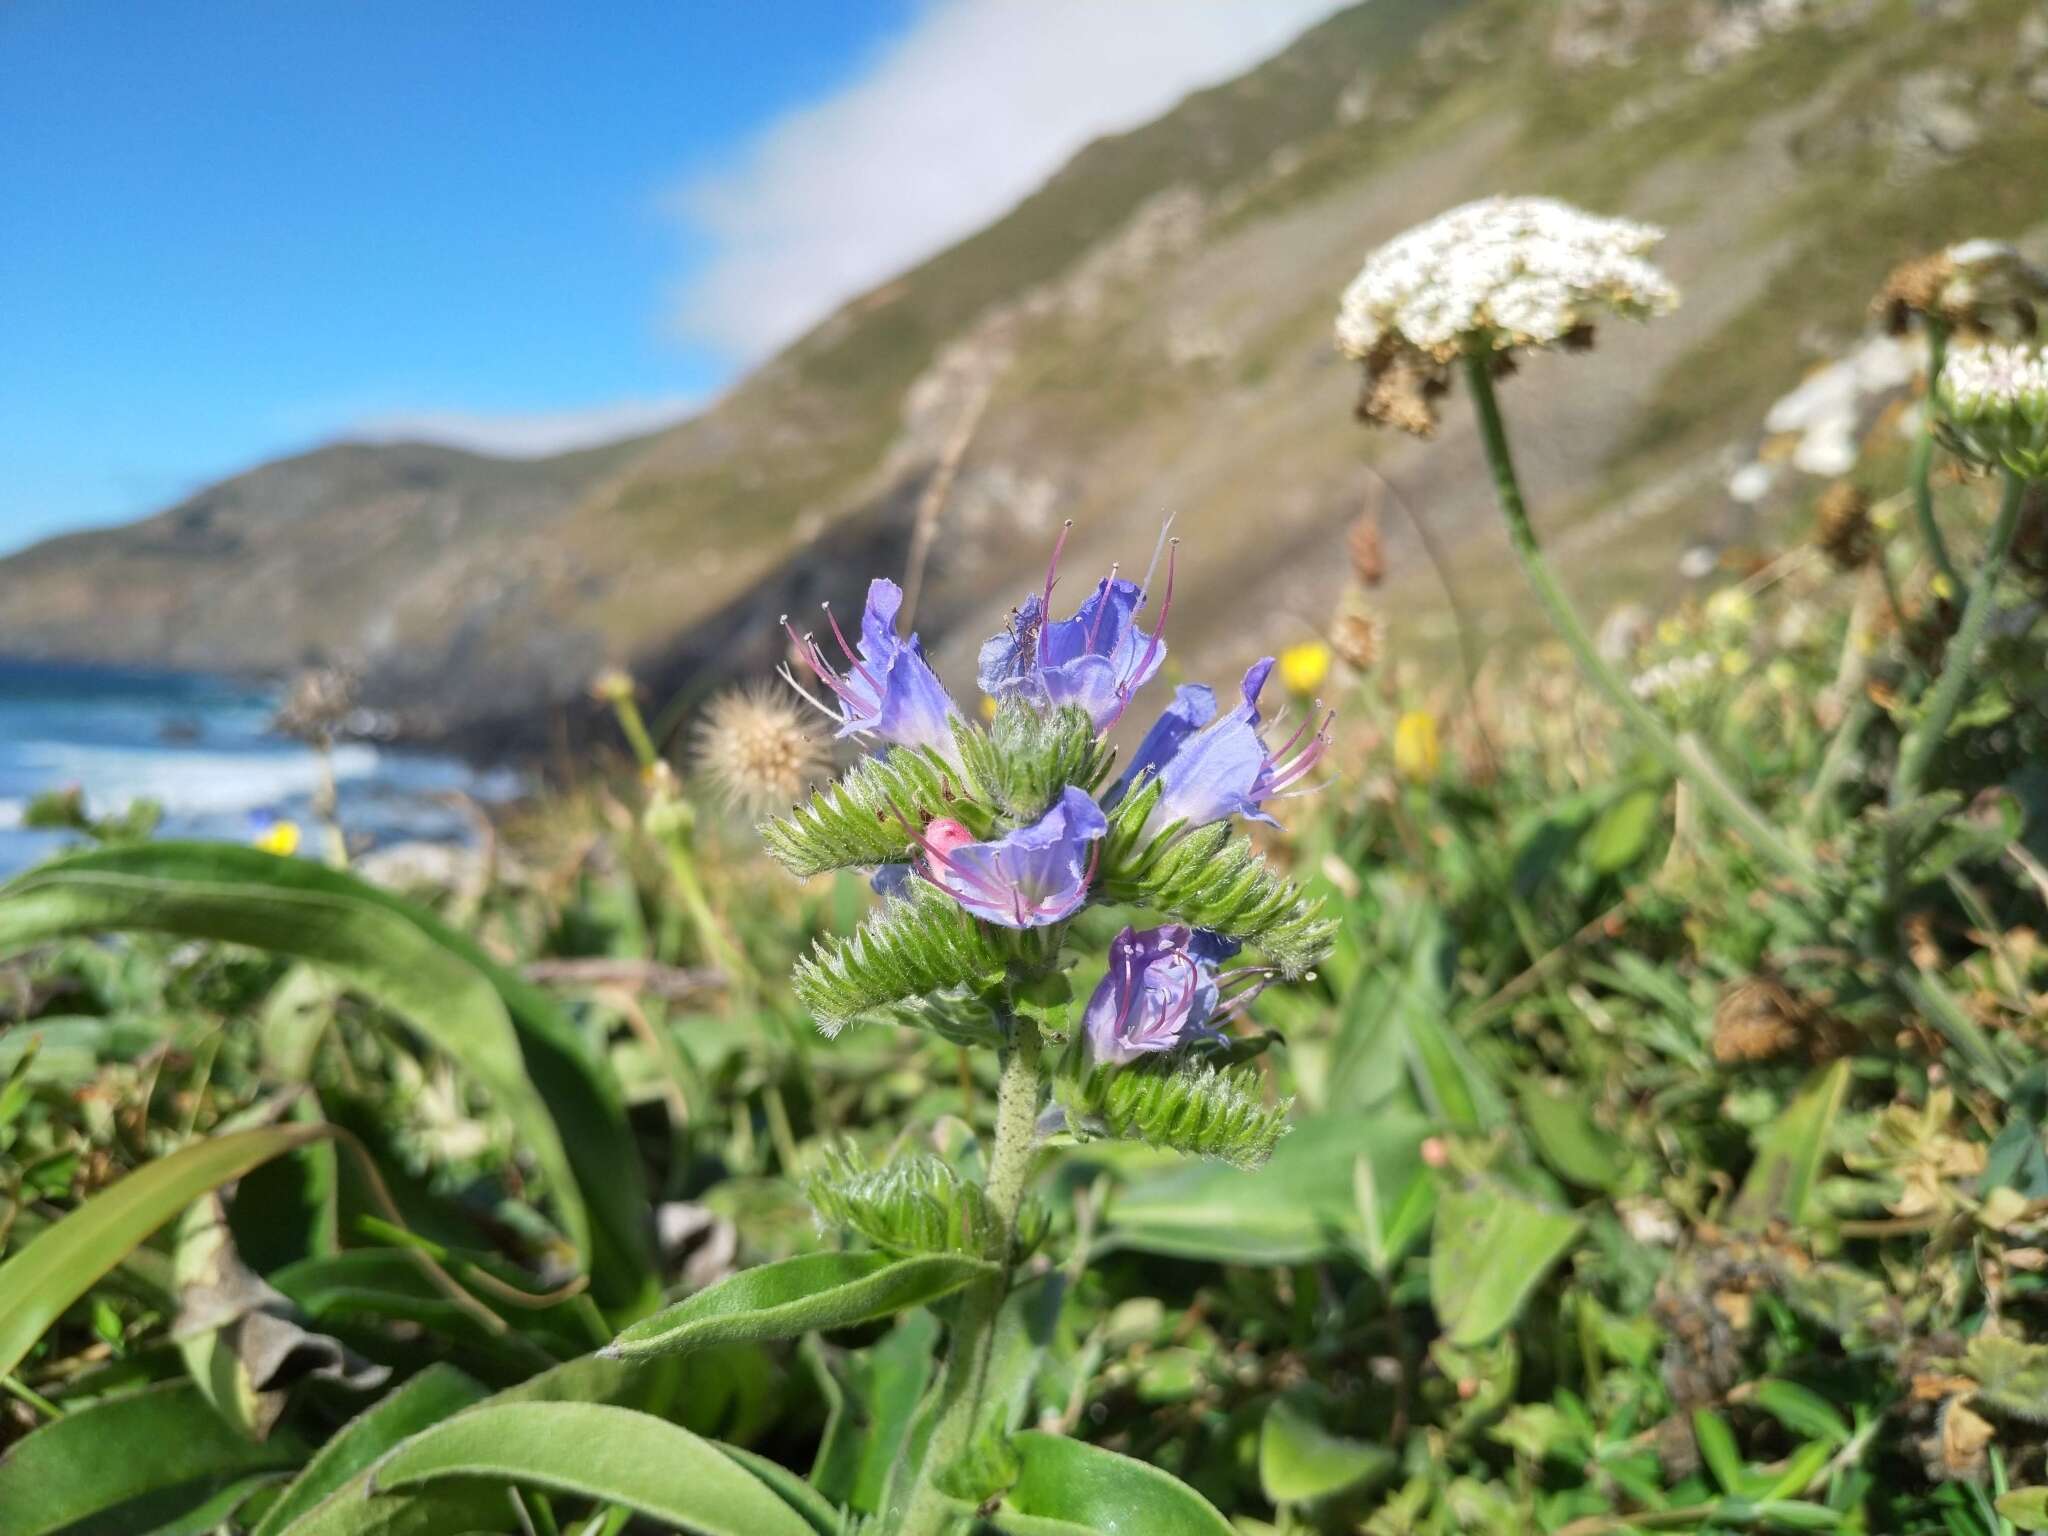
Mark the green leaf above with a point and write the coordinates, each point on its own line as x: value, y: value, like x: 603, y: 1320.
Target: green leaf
x: 1300, y: 1461
x: 1789, y: 1155
x: 816, y: 1291
x: 1301, y: 1207
x: 875, y: 1396
x: 1623, y: 831
x: 596, y: 1451
x: 1212, y: 878
x: 1091, y: 1489
x: 862, y: 820
x: 508, y: 1033
x: 1489, y: 1251
x: 437, y: 1393
x: 2012, y: 1373
x: 1182, y: 1104
x: 61, y: 1263
x: 132, y: 1463
x: 2026, y: 1508
x: 1800, y: 1410
x: 1718, y: 1450
x: 1561, y: 1124
x: 915, y: 944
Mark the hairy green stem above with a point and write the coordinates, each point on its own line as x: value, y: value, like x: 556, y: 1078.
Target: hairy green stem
x: 1960, y: 665
x: 1923, y: 459
x: 929, y: 1511
x: 1688, y: 758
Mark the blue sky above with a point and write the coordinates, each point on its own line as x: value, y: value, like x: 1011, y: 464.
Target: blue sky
x: 235, y: 228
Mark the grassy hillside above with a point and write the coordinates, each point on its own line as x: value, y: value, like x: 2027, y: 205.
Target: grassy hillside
x: 1151, y: 328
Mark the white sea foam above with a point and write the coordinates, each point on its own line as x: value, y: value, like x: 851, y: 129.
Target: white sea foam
x: 189, y: 782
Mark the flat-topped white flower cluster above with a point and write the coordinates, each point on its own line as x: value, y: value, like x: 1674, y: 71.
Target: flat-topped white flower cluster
x: 1994, y: 406
x: 1510, y: 271
x: 1994, y: 378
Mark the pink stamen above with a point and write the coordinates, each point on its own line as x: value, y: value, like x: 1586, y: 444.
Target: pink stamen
x: 1051, y: 576
x: 851, y: 655
x: 1124, y: 689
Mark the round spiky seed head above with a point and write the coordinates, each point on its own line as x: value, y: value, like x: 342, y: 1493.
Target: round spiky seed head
x: 757, y: 749
x: 1842, y: 526
x: 1756, y: 1020
x: 1993, y: 407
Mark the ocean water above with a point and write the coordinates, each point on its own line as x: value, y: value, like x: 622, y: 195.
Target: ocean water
x: 201, y: 747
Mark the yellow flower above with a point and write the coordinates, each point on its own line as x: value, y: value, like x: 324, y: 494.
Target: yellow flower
x: 988, y: 707
x: 1941, y: 587
x: 1733, y: 607
x: 280, y: 837
x: 1417, y: 753
x: 1670, y: 632
x: 1303, y: 667
x: 1734, y: 663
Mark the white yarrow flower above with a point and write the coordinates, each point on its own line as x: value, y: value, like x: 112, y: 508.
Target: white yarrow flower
x: 1509, y: 271
x: 1502, y: 274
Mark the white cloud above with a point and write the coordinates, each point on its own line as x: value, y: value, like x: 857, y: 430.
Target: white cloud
x: 962, y: 116
x: 524, y: 434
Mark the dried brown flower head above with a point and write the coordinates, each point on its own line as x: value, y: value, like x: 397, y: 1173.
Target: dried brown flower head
x: 1756, y: 1020
x: 1842, y: 526
x: 1357, y: 635
x: 1368, y: 549
x: 757, y: 749
x: 1978, y: 287
x: 316, y: 703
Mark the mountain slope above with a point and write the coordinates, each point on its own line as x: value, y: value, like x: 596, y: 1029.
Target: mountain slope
x: 1149, y: 334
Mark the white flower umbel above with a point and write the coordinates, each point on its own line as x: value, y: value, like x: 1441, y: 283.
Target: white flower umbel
x: 1994, y: 407
x: 1509, y: 272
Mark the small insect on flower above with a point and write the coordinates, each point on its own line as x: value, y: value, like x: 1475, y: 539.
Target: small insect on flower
x: 1418, y: 754
x: 1993, y: 403
x: 1842, y: 526
x: 757, y: 749
x: 1498, y: 276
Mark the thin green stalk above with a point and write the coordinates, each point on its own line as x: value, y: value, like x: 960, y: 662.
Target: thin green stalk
x: 1922, y: 471
x: 1960, y: 666
x: 1689, y: 759
x: 930, y: 1512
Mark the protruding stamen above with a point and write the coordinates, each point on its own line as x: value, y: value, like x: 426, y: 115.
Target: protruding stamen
x: 1108, y: 595
x: 1051, y: 576
x: 1124, y: 689
x: 851, y: 655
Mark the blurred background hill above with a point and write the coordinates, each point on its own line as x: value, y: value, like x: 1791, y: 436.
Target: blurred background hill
x: 1146, y: 334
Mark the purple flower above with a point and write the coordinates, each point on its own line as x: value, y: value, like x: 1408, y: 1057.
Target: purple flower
x: 888, y: 689
x: 1193, y: 706
x: 1160, y: 991
x: 1027, y: 878
x: 1094, y: 661
x: 1225, y: 768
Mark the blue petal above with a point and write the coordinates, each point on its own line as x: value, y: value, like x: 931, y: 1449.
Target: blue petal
x: 1212, y: 776
x: 1193, y: 706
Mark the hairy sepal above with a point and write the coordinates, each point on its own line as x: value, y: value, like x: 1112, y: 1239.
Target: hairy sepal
x: 915, y: 1204
x: 1211, y: 877
x: 1027, y: 756
x: 1181, y: 1103
x: 914, y: 945
x: 866, y: 818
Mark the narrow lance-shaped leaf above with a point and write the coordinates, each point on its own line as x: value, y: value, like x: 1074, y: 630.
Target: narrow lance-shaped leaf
x: 815, y: 1291
x: 62, y: 1262
x: 131, y: 1463
x: 511, y: 1035
x: 596, y: 1451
